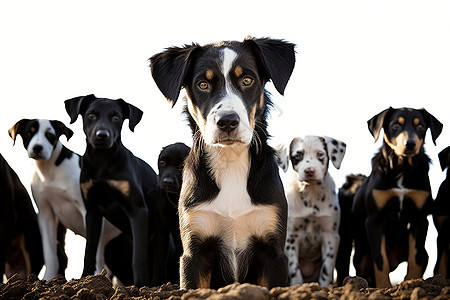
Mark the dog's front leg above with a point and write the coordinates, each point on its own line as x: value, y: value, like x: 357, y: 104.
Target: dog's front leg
x: 330, y: 245
x: 100, y: 254
x: 417, y: 255
x: 47, y: 226
x: 291, y: 250
x: 377, y: 243
x: 94, y: 221
x: 139, y: 228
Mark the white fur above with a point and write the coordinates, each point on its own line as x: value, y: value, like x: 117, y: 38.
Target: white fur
x: 230, y: 103
x: 313, y: 211
x: 56, y: 191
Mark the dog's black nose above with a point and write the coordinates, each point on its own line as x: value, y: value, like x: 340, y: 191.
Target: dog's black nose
x: 410, y: 144
x: 228, y: 122
x: 310, y: 171
x: 37, y: 148
x: 168, y: 180
x: 102, y: 134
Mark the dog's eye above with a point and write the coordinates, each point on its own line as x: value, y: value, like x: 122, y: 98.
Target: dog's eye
x: 396, y: 126
x: 50, y: 136
x: 420, y: 126
x: 92, y: 116
x: 320, y: 154
x: 247, y: 81
x: 298, y: 156
x: 203, y: 85
x: 162, y: 163
x: 116, y: 118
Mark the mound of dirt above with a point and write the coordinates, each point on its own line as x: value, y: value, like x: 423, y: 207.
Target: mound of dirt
x: 100, y: 287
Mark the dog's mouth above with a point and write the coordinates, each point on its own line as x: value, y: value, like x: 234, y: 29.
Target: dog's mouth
x: 228, y: 142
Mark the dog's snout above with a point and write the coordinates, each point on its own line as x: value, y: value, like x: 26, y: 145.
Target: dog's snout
x: 168, y: 180
x: 410, y: 144
x: 102, y: 134
x: 37, y: 148
x: 228, y: 122
x: 310, y: 171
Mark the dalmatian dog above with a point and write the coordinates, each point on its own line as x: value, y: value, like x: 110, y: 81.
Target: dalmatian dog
x: 313, y: 215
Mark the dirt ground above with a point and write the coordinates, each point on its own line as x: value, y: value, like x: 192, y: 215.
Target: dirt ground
x: 100, y: 287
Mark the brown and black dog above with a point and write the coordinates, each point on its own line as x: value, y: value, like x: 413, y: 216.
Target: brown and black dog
x: 441, y: 218
x: 391, y: 207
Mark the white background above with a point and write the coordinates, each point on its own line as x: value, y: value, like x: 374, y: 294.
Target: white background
x: 354, y: 59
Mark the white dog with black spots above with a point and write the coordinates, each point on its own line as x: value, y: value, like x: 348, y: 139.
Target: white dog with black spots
x: 313, y: 217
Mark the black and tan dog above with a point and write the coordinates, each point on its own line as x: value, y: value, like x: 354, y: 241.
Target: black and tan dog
x: 392, y: 205
x: 441, y: 218
x: 232, y: 209
x: 20, y: 238
x: 114, y: 183
x: 168, y: 247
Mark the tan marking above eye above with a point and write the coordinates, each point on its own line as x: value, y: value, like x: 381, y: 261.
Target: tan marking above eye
x: 209, y: 74
x: 238, y: 71
x: 416, y: 121
x: 33, y: 130
x: 401, y: 120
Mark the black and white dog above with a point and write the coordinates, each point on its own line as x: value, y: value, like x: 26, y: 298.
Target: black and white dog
x: 232, y: 208
x: 56, y: 187
x: 313, y: 222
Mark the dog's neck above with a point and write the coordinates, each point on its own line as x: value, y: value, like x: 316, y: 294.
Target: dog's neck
x: 228, y: 162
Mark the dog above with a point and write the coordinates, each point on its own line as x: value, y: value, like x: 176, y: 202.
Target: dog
x: 346, y: 194
x: 232, y: 207
x: 391, y: 207
x: 54, y: 186
x: 165, y: 199
x: 114, y: 183
x: 441, y: 218
x: 20, y: 239
x: 313, y: 216
x: 56, y: 190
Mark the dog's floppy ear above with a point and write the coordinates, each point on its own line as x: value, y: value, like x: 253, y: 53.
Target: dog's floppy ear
x: 434, y: 125
x: 61, y: 129
x: 132, y: 113
x: 282, y: 152
x: 169, y: 69
x: 77, y: 106
x: 17, y: 129
x: 376, y: 123
x: 444, y: 158
x: 278, y: 58
x: 336, y: 150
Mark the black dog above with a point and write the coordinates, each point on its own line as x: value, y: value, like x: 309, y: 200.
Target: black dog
x: 232, y: 208
x: 392, y: 205
x: 168, y: 248
x: 346, y: 194
x: 441, y: 218
x: 20, y: 239
x: 114, y: 183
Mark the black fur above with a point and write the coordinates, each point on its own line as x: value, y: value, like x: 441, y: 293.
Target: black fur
x: 168, y: 247
x: 263, y: 260
x: 115, y: 183
x: 441, y: 218
x: 17, y: 217
x: 400, y: 168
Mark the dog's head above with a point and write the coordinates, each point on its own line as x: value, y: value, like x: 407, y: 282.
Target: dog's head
x: 170, y: 166
x: 405, y: 129
x: 102, y: 118
x: 310, y: 156
x: 39, y: 136
x: 224, y: 84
